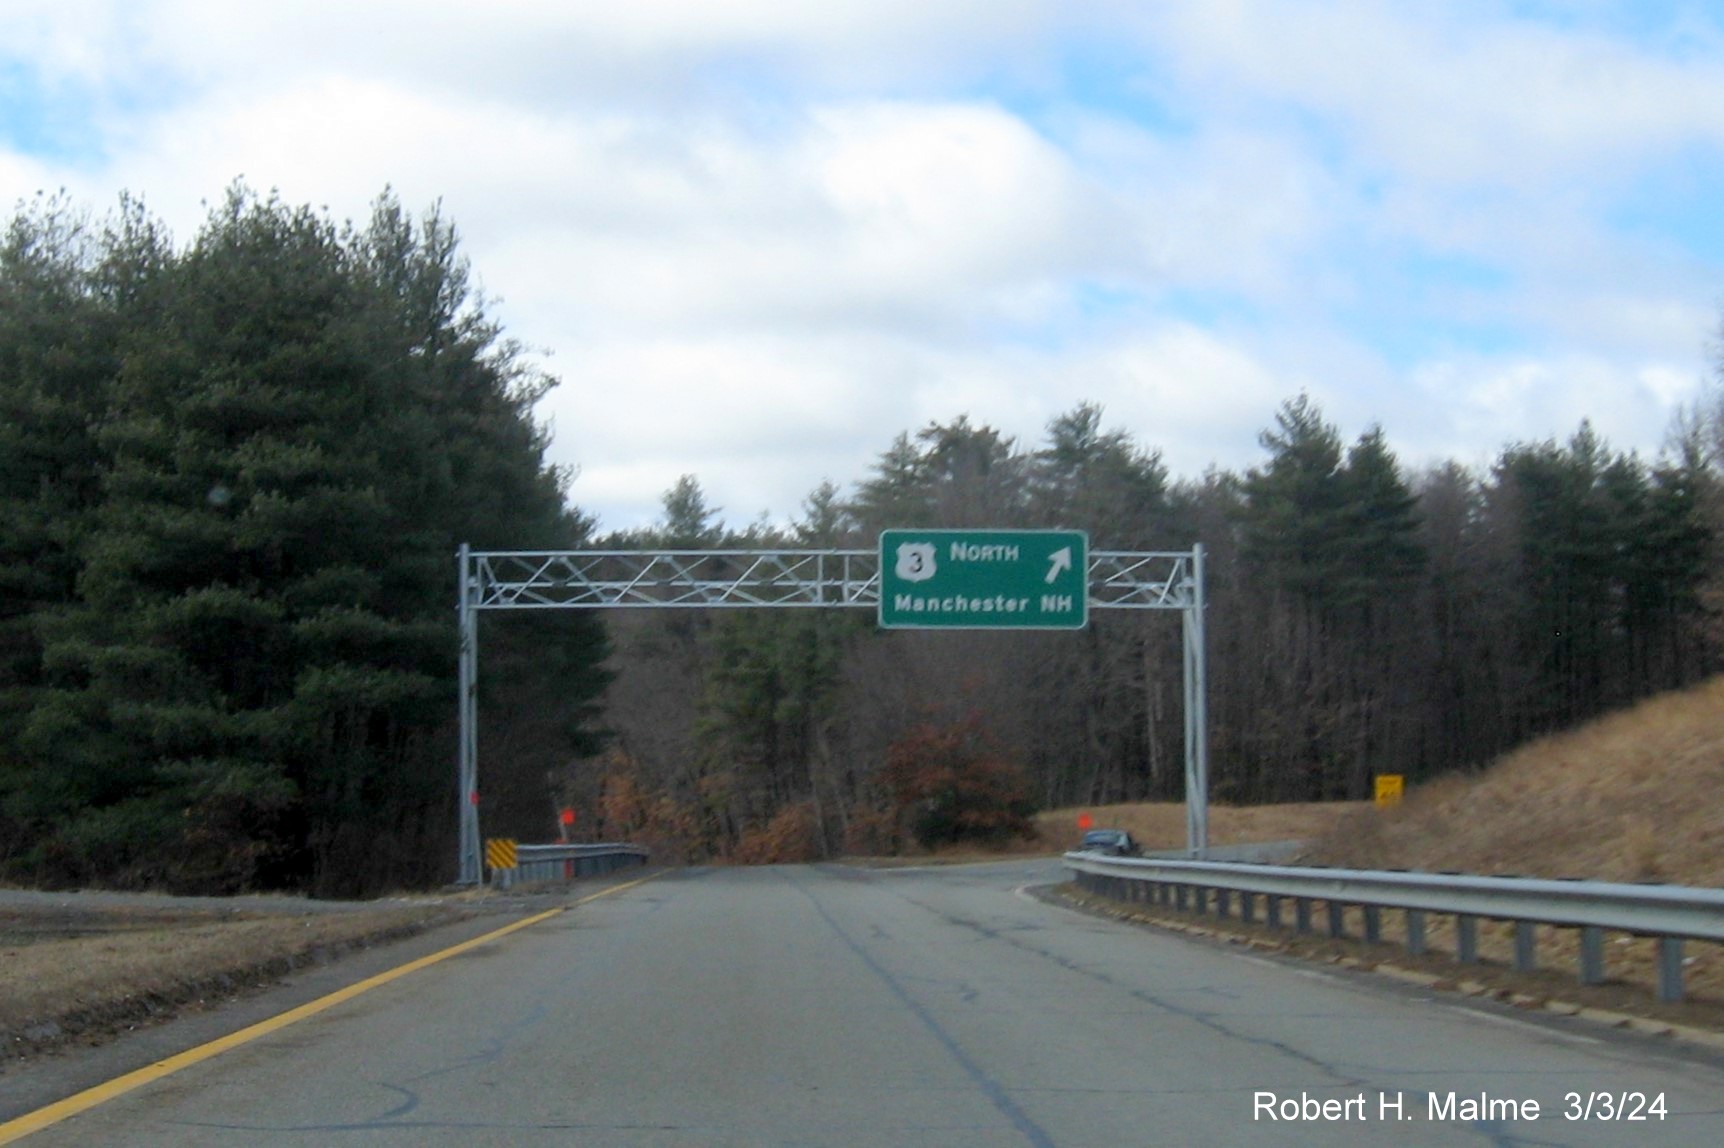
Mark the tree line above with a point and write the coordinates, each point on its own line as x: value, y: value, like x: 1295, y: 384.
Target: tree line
x: 1362, y: 620
x: 234, y: 472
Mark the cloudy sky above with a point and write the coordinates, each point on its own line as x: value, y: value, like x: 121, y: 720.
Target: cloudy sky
x: 758, y: 238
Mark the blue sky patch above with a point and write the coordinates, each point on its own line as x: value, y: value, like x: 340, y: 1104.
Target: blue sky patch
x: 54, y: 125
x: 1676, y: 205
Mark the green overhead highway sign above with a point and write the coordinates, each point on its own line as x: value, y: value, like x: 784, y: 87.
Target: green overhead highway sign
x: 984, y: 579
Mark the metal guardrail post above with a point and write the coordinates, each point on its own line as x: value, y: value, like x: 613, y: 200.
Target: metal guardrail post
x: 1467, y: 939
x: 1670, y: 969
x: 1416, y: 932
x: 1591, y: 955
x: 1525, y: 947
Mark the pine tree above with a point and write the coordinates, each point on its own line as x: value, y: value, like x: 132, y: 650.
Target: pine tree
x: 688, y: 522
x: 57, y: 360
x: 898, y: 494
x: 254, y: 671
x: 974, y: 476
x: 1101, y: 482
x: 1551, y: 498
x: 1378, y: 528
x: 826, y: 521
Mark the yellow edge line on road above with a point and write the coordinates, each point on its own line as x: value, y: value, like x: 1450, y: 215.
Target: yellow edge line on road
x: 23, y: 1126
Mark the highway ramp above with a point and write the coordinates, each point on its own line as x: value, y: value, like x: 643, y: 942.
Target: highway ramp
x: 830, y: 1005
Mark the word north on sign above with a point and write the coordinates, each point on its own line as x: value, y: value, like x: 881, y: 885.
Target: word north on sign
x: 984, y: 579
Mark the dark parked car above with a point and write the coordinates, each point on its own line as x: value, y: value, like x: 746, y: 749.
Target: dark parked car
x: 1112, y: 842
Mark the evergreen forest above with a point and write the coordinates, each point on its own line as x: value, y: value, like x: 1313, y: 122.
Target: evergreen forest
x: 1361, y: 620
x: 234, y: 473
x: 233, y: 477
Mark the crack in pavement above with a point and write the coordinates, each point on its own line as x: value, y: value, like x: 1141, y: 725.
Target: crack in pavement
x: 1345, y: 1076
x: 990, y: 1087
x: 488, y: 1052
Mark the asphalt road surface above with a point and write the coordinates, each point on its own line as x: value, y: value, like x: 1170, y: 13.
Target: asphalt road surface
x: 943, y: 1006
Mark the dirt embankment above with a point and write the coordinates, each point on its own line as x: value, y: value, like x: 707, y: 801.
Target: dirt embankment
x: 1161, y: 825
x: 1635, y: 796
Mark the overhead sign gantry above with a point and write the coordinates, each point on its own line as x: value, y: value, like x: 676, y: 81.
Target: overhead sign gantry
x: 915, y: 579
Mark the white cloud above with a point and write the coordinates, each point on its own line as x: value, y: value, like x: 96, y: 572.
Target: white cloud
x: 936, y: 218
x: 1513, y: 399
x: 22, y: 177
x: 1198, y: 397
x: 781, y: 415
x: 952, y: 197
x: 1629, y: 322
x: 762, y: 239
x: 663, y: 54
x: 1453, y: 94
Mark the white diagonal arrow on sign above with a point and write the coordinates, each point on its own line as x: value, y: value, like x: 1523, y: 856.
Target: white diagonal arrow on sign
x: 1060, y: 559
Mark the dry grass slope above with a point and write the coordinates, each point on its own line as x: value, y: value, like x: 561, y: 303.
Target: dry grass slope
x: 1161, y: 825
x: 1634, y: 796
x: 81, y: 988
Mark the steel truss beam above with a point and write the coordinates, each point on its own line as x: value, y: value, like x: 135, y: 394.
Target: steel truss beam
x: 719, y: 579
x: 786, y: 579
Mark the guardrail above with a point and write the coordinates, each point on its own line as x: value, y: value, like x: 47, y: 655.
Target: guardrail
x: 569, y: 862
x: 1670, y: 913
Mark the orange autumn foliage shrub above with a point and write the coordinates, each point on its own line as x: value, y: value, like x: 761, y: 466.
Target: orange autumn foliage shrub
x: 792, y: 835
x: 950, y: 784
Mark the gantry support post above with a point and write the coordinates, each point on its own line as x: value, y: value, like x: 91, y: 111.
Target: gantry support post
x: 1196, y: 716
x: 468, y: 754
